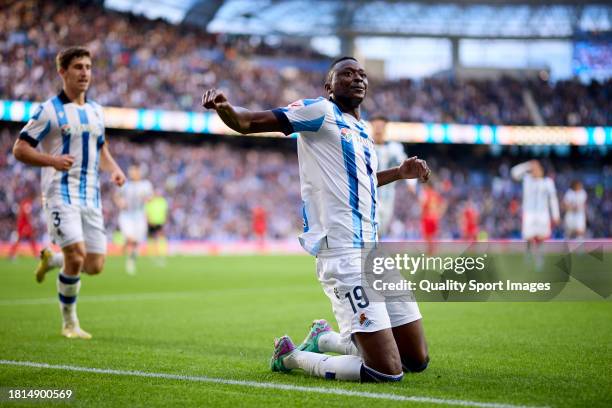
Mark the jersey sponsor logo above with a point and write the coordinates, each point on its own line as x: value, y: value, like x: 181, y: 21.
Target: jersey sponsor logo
x: 69, y: 130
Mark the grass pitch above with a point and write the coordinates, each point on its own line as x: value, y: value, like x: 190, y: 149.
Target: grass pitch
x: 216, y: 317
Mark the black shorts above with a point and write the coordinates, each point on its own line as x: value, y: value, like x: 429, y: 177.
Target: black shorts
x: 154, y: 229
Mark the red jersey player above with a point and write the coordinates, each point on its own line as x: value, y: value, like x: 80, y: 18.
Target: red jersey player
x: 433, y: 208
x: 259, y: 224
x: 25, y: 230
x: 469, y: 221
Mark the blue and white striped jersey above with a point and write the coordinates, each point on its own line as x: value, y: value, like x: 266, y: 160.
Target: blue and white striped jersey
x: 60, y: 126
x: 338, y: 167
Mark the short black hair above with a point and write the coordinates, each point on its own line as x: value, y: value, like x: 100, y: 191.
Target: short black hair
x: 65, y: 56
x: 328, y: 77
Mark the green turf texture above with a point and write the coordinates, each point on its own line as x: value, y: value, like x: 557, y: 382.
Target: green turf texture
x: 217, y: 317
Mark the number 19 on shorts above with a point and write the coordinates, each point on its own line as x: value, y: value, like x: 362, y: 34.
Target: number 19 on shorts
x: 358, y: 298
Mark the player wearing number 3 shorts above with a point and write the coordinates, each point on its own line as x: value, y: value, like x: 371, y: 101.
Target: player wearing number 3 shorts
x: 339, y: 179
x: 65, y: 137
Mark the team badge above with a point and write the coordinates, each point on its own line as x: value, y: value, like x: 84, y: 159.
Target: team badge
x: 364, y: 321
x: 346, y: 134
x: 66, y: 130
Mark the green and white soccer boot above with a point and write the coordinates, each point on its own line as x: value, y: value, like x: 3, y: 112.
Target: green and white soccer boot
x: 311, y: 342
x: 282, y: 348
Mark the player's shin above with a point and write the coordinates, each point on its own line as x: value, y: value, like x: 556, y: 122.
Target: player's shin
x: 344, y: 368
x: 68, y: 289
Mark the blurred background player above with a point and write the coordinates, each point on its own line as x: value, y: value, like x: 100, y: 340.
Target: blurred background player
x: 540, y: 205
x: 390, y: 154
x: 132, y: 198
x: 469, y: 221
x: 433, y: 208
x: 259, y: 225
x: 156, y: 210
x: 69, y: 132
x: 574, y: 204
x: 25, y: 228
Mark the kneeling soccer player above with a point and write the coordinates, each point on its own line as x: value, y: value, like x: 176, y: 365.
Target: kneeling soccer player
x: 338, y: 175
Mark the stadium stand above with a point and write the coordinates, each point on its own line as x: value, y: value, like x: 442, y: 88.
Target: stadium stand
x: 213, y: 188
x: 153, y: 64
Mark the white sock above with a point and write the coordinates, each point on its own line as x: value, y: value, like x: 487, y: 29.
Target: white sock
x: 347, y: 368
x: 68, y: 289
x: 57, y: 260
x: 333, y: 342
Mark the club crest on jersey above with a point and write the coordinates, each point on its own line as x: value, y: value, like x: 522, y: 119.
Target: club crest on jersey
x: 346, y: 134
x: 66, y: 130
x: 364, y: 321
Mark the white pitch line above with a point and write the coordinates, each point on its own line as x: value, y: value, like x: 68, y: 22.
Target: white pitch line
x: 103, y: 298
x: 275, y: 386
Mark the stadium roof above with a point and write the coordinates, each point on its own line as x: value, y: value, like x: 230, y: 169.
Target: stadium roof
x: 511, y: 19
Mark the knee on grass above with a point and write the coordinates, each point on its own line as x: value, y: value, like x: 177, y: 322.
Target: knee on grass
x: 411, y: 365
x: 370, y: 375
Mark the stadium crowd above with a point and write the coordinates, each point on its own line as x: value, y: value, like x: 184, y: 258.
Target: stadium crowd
x: 212, y: 190
x: 153, y: 64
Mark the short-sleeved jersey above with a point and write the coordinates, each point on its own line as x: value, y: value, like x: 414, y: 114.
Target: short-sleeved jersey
x: 338, y: 167
x: 58, y: 127
x: 390, y: 154
x: 136, y: 194
x: 157, y: 210
x: 575, y: 201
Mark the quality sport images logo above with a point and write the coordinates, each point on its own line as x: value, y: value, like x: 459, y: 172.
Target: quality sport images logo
x: 488, y: 271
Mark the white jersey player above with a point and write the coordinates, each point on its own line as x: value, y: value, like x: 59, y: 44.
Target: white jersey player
x: 574, y: 203
x: 133, y: 219
x: 390, y: 154
x: 66, y: 138
x: 339, y: 179
x: 540, y: 204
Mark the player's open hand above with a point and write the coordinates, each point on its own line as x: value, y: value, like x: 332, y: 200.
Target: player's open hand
x: 214, y: 99
x: 63, y: 162
x: 118, y: 177
x: 414, y: 167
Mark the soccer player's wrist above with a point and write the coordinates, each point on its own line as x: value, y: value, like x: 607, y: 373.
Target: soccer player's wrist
x: 398, y: 174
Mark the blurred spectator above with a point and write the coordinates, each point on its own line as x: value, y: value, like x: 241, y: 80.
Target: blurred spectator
x: 153, y: 64
x: 213, y: 190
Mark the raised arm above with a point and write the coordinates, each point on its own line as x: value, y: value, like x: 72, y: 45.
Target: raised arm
x: 411, y: 168
x: 239, y: 119
x: 518, y: 172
